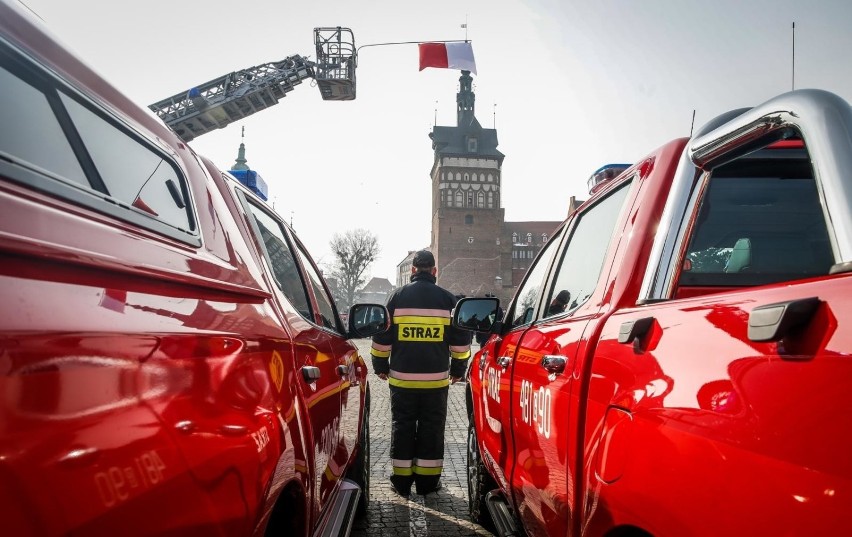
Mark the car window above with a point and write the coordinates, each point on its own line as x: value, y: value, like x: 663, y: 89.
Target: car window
x: 282, y: 262
x: 523, y: 310
x: 31, y: 134
x: 759, y: 221
x: 56, y: 141
x: 583, y: 257
x: 324, y: 301
x: 131, y: 172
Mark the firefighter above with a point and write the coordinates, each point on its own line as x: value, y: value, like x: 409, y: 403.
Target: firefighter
x: 420, y: 356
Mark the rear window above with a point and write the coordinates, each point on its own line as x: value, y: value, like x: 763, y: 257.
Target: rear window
x: 760, y: 221
x: 58, y: 142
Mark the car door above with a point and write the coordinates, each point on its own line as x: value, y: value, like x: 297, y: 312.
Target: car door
x: 315, y: 350
x: 350, y: 368
x: 544, y: 402
x: 720, y: 414
x: 494, y: 369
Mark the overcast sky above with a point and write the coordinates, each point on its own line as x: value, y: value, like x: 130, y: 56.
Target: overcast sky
x: 575, y: 84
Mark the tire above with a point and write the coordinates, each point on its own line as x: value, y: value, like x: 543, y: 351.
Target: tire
x: 479, y: 481
x: 360, y: 471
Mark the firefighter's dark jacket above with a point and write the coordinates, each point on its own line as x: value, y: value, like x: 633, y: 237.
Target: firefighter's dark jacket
x: 421, y: 346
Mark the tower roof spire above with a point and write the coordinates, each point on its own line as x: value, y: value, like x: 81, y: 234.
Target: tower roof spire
x: 240, y: 163
x: 465, y: 100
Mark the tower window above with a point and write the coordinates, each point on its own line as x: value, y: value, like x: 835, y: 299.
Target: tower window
x: 480, y: 199
x: 459, y: 199
x: 470, y: 199
x: 471, y: 145
x: 514, y: 238
x: 529, y: 238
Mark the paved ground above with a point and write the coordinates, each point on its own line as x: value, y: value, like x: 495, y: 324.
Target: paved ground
x: 439, y: 513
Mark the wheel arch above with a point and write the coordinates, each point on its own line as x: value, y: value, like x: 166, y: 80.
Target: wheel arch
x: 290, y: 512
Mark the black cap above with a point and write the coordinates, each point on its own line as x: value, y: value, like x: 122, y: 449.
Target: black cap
x: 563, y: 297
x: 423, y: 259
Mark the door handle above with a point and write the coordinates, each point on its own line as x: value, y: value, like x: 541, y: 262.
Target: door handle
x: 343, y: 370
x: 482, y: 359
x: 772, y: 322
x: 504, y: 361
x: 553, y: 364
x: 634, y: 330
x: 310, y: 373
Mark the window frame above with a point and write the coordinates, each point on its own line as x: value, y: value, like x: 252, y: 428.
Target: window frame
x: 624, y: 186
x: 92, y: 196
x: 248, y: 202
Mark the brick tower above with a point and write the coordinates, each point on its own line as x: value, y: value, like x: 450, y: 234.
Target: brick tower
x: 472, y: 254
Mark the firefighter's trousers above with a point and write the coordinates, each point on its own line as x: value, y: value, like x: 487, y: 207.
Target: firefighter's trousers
x: 418, y: 417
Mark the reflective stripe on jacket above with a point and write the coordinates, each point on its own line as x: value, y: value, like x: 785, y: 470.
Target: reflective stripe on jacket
x: 421, y: 349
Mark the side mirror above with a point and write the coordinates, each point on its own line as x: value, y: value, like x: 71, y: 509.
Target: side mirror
x: 367, y: 320
x: 477, y: 314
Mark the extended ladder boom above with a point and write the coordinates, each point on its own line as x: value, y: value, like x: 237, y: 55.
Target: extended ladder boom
x: 232, y: 97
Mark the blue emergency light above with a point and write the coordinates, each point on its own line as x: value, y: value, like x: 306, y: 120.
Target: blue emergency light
x: 604, y: 174
x: 254, y: 182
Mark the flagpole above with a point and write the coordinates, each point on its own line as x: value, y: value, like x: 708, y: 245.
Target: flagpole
x: 407, y: 43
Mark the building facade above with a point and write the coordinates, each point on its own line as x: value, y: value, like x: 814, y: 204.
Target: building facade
x: 476, y: 250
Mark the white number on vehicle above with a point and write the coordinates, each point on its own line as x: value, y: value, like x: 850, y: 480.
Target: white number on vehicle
x: 535, y: 407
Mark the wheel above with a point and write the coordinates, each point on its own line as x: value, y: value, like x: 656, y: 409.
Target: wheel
x: 479, y: 481
x: 360, y: 471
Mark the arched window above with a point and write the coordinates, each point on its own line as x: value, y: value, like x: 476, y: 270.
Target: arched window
x: 459, y: 199
x: 466, y: 178
x: 480, y: 199
x: 470, y: 199
x: 514, y: 238
x: 491, y: 200
x: 543, y: 238
x: 529, y: 238
x: 458, y: 176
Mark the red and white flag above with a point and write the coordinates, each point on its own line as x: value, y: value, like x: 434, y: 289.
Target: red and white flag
x: 447, y: 56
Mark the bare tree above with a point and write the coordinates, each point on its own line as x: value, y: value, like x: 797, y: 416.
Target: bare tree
x: 353, y: 251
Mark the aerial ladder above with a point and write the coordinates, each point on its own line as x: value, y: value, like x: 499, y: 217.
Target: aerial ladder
x: 232, y: 97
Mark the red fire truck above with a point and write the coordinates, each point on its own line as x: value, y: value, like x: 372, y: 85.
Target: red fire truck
x: 171, y: 360
x: 695, y: 378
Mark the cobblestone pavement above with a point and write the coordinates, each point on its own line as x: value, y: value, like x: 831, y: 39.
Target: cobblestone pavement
x: 439, y: 513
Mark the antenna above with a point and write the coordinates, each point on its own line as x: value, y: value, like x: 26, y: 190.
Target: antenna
x: 693, y: 123
x: 494, y: 125
x: 793, y: 84
x: 436, y: 114
x: 465, y: 27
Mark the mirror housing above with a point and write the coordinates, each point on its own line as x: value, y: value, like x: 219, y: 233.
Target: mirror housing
x: 477, y: 314
x: 367, y: 320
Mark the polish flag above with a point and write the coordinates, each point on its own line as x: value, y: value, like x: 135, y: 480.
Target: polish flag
x: 447, y: 56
